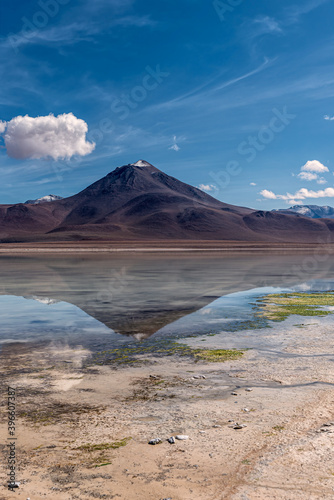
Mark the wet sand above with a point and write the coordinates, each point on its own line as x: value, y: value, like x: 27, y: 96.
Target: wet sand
x: 83, y: 431
x: 161, y: 246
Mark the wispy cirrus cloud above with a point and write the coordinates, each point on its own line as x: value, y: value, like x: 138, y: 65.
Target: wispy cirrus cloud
x: 73, y: 32
x: 263, y: 25
x: 295, y: 12
x: 175, y: 146
x: 207, y: 89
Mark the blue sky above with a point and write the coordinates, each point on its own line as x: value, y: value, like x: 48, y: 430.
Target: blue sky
x: 229, y: 98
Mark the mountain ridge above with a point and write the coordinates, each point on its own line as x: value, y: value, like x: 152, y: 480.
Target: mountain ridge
x: 138, y: 201
x: 313, y: 211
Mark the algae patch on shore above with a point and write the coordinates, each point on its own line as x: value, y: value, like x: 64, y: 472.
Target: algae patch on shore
x: 104, y: 446
x: 277, y: 307
x: 130, y: 355
x: 218, y: 355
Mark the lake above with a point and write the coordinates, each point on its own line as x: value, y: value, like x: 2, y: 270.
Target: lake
x: 123, y: 301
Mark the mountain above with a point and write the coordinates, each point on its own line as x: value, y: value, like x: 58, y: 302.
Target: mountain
x: 44, y: 199
x: 139, y: 202
x: 313, y: 211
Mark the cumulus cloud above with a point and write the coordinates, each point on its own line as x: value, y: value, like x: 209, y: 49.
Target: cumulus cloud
x: 314, y: 166
x: 311, y: 170
x: 330, y: 118
x: 269, y: 195
x: 294, y: 202
x: 57, y: 137
x: 301, y: 194
x: 322, y: 193
x: 253, y: 184
x: 308, y: 176
x: 207, y: 187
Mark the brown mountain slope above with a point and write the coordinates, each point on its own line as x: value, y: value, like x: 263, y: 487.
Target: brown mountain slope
x: 139, y: 202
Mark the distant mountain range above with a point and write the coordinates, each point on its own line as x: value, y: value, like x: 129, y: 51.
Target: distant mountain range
x: 138, y: 202
x: 313, y: 211
x: 44, y: 199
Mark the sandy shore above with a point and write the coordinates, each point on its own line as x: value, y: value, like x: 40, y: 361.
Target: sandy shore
x: 83, y: 432
x: 163, y: 246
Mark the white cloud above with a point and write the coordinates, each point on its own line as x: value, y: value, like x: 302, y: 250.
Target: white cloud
x: 253, y: 184
x: 268, y: 194
x: 314, y: 166
x: 207, y: 187
x: 302, y: 194
x: 296, y: 11
x: 3, y: 126
x: 56, y: 137
x: 267, y: 25
x: 294, y: 202
x: 310, y: 171
x: 323, y: 193
x: 327, y: 117
x: 175, y: 147
x: 308, y: 176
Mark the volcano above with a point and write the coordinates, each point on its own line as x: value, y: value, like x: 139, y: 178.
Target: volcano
x: 138, y: 202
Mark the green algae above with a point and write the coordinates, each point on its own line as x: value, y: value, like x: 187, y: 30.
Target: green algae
x: 218, y: 355
x: 277, y: 307
x: 266, y: 309
x: 131, y: 354
x: 104, y: 446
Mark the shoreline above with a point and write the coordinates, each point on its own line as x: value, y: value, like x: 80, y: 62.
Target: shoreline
x: 81, y: 436
x: 165, y: 247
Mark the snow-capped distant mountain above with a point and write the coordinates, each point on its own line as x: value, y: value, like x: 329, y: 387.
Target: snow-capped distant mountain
x: 313, y: 211
x: 44, y: 199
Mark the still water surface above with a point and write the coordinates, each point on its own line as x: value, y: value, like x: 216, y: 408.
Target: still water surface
x: 102, y: 303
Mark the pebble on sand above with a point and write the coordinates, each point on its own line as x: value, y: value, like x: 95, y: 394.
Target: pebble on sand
x: 155, y: 441
x: 182, y: 437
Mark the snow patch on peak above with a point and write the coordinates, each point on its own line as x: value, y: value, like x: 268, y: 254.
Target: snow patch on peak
x: 141, y: 163
x: 45, y: 199
x: 301, y: 210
